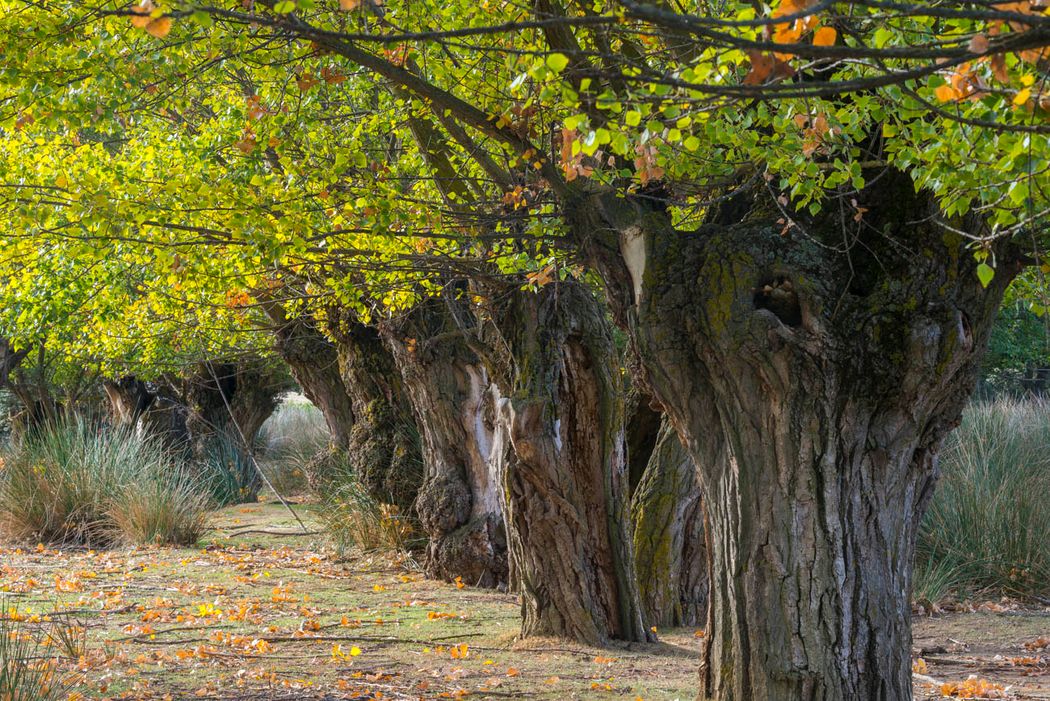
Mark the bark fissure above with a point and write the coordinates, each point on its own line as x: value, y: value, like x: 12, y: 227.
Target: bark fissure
x: 458, y: 504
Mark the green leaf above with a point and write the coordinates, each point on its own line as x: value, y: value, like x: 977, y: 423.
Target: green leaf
x: 284, y: 7
x: 985, y: 273
x: 557, y: 62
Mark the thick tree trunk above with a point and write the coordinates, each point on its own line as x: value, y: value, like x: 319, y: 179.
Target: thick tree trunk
x: 829, y: 378
x: 458, y: 504
x: 669, y: 548
x: 565, y: 479
x: 384, y: 448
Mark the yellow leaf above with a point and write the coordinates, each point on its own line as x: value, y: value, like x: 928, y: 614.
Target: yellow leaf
x: 1022, y: 96
x: 825, y: 36
x: 355, y: 651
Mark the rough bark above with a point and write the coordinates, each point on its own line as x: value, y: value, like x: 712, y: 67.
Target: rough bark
x: 813, y: 387
x: 670, y: 552
x: 565, y: 477
x: 458, y: 504
x: 384, y: 449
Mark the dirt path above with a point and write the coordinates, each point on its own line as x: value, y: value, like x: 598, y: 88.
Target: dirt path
x: 262, y: 616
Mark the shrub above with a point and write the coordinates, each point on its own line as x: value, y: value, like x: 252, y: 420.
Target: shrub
x: 29, y: 657
x: 988, y: 526
x: 73, y: 483
x: 227, y: 472
x: 159, y: 511
x: 353, y: 519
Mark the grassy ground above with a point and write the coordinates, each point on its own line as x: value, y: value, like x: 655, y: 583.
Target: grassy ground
x: 254, y: 613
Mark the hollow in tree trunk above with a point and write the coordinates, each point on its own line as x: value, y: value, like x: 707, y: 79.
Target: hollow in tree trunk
x: 831, y: 377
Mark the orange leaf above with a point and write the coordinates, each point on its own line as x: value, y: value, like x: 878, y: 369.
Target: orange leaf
x: 159, y: 27
x: 142, y: 12
x: 825, y: 36
x: 761, y: 68
x: 945, y: 93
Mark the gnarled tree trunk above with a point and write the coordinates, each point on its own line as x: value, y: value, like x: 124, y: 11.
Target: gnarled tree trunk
x: 228, y: 404
x: 830, y: 379
x: 565, y: 477
x: 458, y: 504
x: 384, y: 449
x: 232, y: 400
x: 669, y: 547
x: 143, y: 407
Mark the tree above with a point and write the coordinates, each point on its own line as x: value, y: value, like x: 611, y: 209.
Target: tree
x: 807, y: 264
x: 669, y: 536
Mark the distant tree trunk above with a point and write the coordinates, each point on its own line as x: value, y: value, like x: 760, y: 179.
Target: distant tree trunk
x: 31, y: 387
x: 669, y: 541
x: 232, y: 400
x: 314, y: 362
x: 10, y: 358
x: 565, y: 478
x: 830, y: 378
x: 228, y: 404
x: 458, y: 504
x: 140, y: 406
x: 384, y: 449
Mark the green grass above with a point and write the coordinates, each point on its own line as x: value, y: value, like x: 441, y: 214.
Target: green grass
x: 80, y: 484
x: 988, y: 526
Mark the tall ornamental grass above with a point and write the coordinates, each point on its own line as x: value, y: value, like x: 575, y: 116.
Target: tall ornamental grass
x: 74, y: 483
x: 988, y: 526
x: 31, y: 657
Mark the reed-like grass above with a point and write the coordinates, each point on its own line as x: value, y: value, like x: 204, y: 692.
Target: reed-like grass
x: 988, y: 526
x: 76, y: 483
